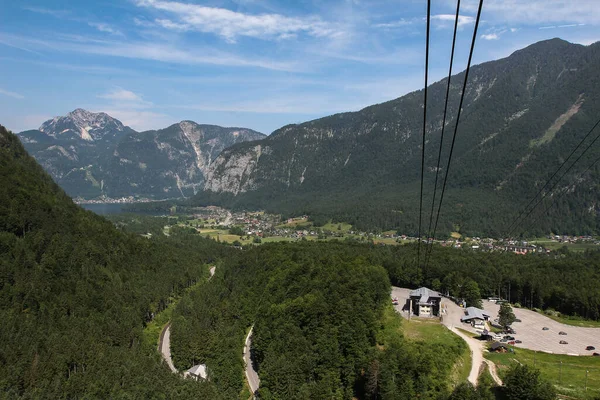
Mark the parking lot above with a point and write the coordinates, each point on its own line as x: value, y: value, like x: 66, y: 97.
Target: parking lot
x: 530, y: 332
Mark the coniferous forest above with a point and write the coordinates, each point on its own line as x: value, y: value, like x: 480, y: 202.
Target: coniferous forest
x: 76, y: 292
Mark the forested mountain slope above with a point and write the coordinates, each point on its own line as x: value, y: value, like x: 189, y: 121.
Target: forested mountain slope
x: 521, y: 117
x: 92, y: 154
x: 75, y: 293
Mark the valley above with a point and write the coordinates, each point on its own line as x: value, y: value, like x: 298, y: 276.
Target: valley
x: 265, y: 200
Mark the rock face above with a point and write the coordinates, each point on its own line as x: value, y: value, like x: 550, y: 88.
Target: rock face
x: 521, y: 117
x: 171, y: 162
x: 92, y: 154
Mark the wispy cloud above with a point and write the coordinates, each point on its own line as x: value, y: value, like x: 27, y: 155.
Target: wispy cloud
x: 47, y: 11
x: 490, y: 36
x: 106, y: 28
x: 120, y: 94
x: 150, y: 51
x: 230, y: 24
x: 395, y: 24
x: 462, y: 19
x: 11, y: 94
x: 532, y: 12
x: 139, y: 120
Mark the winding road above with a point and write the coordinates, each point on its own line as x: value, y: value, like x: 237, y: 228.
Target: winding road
x: 164, y: 341
x: 251, y: 374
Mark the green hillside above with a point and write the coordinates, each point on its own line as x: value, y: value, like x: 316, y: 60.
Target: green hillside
x: 75, y: 293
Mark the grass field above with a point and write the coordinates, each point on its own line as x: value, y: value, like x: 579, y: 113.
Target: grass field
x: 295, y: 222
x: 554, y: 245
x: 569, y: 379
x: 432, y: 332
x: 332, y: 226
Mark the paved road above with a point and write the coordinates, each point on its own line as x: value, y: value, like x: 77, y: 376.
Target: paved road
x: 165, y: 346
x: 251, y: 374
x: 164, y: 341
x: 530, y: 332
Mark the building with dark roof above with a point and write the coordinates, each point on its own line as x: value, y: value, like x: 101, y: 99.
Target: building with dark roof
x: 475, y: 316
x: 425, y: 302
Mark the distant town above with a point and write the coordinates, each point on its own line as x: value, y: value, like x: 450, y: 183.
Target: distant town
x: 242, y: 228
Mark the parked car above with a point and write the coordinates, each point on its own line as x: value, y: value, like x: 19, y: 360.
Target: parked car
x: 507, y: 337
x: 518, y: 341
x: 590, y: 348
x: 562, y: 333
x: 563, y: 342
x: 596, y: 354
x: 511, y: 342
x: 503, y: 340
x: 545, y: 328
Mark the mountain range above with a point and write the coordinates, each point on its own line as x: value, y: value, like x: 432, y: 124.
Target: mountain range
x: 522, y: 116
x: 93, y: 155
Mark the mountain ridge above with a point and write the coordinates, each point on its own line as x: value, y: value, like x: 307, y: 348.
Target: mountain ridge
x: 510, y: 105
x: 93, y: 155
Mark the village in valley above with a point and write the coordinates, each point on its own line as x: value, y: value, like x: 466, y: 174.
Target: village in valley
x: 256, y: 227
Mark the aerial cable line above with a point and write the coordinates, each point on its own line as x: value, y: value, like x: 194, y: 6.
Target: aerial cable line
x: 558, y: 180
x: 424, y: 126
x: 511, y: 227
x: 462, y: 96
x: 437, y: 169
x: 554, y: 199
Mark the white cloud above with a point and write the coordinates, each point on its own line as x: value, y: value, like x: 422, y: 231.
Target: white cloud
x: 230, y: 24
x: 395, y: 24
x: 105, y: 28
x: 462, y: 19
x: 120, y: 94
x: 12, y: 94
x: 490, y: 36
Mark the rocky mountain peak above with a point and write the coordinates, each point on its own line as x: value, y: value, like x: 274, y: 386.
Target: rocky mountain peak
x: 85, y: 124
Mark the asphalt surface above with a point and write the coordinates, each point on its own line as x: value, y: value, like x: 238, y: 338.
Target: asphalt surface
x: 530, y: 332
x: 165, y: 347
x: 251, y: 374
x: 164, y: 342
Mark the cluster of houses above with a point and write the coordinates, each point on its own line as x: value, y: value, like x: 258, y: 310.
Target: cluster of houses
x: 574, y: 239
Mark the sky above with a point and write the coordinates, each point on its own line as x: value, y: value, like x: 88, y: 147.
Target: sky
x: 258, y: 64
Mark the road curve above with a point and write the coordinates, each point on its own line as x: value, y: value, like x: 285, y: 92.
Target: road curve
x: 164, y: 346
x: 476, y: 354
x: 452, y: 314
x: 251, y: 374
x: 164, y: 341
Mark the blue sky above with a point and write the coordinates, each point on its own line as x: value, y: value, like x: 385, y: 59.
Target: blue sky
x: 259, y: 64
